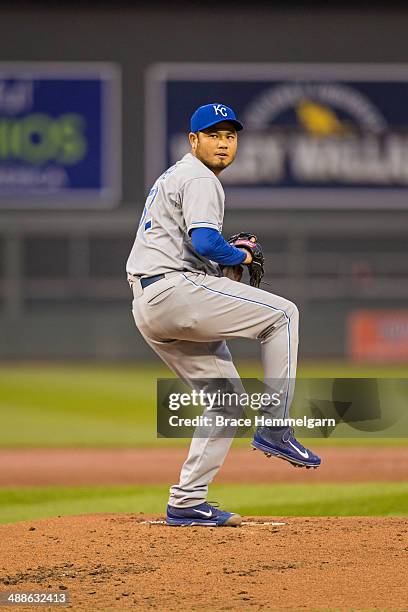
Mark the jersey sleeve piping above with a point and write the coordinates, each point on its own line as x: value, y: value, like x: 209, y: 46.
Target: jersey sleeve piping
x: 209, y: 224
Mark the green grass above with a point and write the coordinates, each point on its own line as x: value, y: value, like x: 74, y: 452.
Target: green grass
x: 78, y: 405
x: 373, y: 499
x: 114, y: 406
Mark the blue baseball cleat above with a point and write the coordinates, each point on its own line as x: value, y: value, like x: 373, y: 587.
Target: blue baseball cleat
x: 285, y: 446
x: 203, y: 514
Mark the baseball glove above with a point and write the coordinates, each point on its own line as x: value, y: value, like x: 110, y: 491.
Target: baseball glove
x: 248, y: 241
x: 233, y: 272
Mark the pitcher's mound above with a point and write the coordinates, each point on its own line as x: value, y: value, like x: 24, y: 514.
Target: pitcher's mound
x: 125, y: 562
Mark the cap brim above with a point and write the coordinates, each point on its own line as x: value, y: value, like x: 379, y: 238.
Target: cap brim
x: 237, y: 124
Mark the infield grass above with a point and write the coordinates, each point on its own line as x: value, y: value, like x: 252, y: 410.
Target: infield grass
x: 83, y: 405
x: 373, y: 499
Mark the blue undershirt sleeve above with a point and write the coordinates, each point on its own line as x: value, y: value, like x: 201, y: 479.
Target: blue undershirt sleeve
x: 211, y: 244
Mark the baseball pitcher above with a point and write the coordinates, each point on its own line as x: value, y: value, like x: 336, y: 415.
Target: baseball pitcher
x: 188, y: 303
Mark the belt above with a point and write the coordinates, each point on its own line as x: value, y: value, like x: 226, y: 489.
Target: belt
x: 145, y: 282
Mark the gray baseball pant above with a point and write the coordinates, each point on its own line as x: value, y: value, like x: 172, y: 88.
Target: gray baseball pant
x: 186, y: 318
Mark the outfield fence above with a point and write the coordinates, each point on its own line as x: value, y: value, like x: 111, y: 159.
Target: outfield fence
x: 69, y: 269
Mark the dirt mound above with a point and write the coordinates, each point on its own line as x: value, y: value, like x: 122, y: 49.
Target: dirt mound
x: 123, y: 562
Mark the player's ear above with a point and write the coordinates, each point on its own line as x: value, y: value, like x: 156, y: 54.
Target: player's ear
x: 193, y: 138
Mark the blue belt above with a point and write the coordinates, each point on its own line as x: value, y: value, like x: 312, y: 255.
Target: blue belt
x: 145, y: 282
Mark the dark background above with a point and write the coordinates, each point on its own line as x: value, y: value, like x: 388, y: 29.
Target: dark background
x: 63, y: 290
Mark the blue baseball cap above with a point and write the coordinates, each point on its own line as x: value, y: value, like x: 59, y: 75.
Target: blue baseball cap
x: 210, y: 114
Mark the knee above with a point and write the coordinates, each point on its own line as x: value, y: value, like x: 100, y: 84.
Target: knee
x: 289, y: 316
x: 292, y: 312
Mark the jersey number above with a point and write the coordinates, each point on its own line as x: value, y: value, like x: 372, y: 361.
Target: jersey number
x: 144, y: 221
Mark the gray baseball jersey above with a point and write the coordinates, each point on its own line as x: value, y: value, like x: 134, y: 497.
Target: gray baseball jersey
x: 188, y: 195
x: 187, y: 316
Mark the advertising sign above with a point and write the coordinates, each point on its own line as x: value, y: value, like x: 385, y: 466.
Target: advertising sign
x: 378, y: 335
x: 60, y: 132
x: 326, y: 136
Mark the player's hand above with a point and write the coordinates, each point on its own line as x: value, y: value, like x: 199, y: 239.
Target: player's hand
x: 254, y: 260
x: 246, y: 247
x: 248, y: 258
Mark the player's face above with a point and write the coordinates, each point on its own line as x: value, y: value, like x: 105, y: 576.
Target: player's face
x: 215, y: 146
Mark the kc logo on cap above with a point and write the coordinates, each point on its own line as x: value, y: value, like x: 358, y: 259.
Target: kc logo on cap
x: 220, y: 109
x: 210, y: 114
